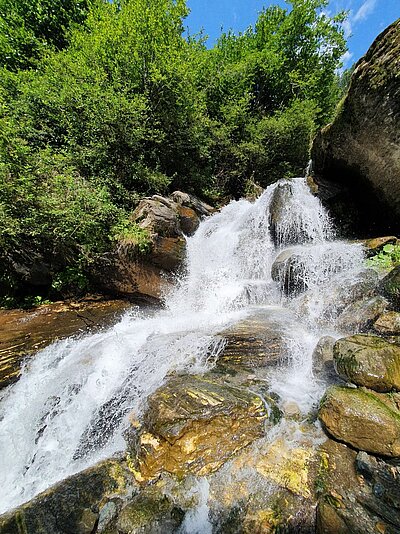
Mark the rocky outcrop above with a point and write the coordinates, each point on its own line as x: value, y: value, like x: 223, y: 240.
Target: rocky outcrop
x: 323, y: 357
x: 360, y: 150
x: 194, y: 425
x: 358, y: 493
x: 368, y: 361
x: 289, y: 272
x: 23, y: 333
x: 73, y: 506
x: 130, y: 271
x: 255, y: 342
x: 364, y: 419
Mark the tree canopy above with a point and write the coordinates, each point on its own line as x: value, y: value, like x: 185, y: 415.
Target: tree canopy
x: 101, y: 103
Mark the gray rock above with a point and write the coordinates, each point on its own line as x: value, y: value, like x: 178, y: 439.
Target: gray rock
x: 361, y: 147
x: 361, y: 315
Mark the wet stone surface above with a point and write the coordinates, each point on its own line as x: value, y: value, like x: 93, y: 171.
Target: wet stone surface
x: 22, y: 333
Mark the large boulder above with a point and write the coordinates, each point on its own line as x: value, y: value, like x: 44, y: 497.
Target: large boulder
x: 361, y: 418
x: 194, y: 425
x: 368, y: 361
x: 167, y: 220
x: 360, y: 149
x: 74, y: 505
x: 388, y: 324
x: 255, y: 342
x: 288, y: 270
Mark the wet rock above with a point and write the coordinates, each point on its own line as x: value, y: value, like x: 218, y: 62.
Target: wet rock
x: 279, y: 213
x: 151, y: 512
x: 361, y: 315
x: 390, y: 287
x: 323, y: 356
x: 202, y: 209
x: 256, y: 342
x: 361, y: 147
x: 388, y: 324
x: 71, y: 506
x: 194, y: 424
x: 384, y: 480
x: 364, y: 419
x: 368, y: 361
x: 350, y: 500
x: 157, y: 215
x: 23, y: 333
x: 289, y: 272
x: 269, y: 486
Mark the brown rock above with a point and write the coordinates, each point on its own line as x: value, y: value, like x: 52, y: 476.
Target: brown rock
x: 71, y: 506
x: 368, y: 361
x: 388, y: 324
x: 361, y: 315
x: 257, y: 341
x: 364, y: 419
x: 22, y: 333
x: 194, y: 425
x: 352, y: 500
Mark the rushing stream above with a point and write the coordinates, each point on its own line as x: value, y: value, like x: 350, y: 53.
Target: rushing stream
x: 71, y: 405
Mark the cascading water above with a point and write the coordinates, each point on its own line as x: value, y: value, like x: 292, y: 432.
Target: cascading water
x: 71, y: 405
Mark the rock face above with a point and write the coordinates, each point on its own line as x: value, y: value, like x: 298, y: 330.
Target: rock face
x: 368, y: 361
x: 23, y: 333
x: 288, y: 271
x: 194, y: 425
x: 166, y: 220
x: 364, y: 419
x: 361, y: 148
x: 255, y: 342
x: 323, y: 357
x: 358, y: 493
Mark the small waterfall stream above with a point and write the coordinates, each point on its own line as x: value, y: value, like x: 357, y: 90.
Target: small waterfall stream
x: 71, y: 405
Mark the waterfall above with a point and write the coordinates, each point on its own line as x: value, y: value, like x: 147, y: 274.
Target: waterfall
x: 71, y: 405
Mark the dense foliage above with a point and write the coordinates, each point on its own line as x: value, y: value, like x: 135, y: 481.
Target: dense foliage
x: 101, y: 103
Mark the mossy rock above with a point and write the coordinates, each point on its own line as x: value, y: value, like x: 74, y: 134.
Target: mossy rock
x: 361, y: 418
x: 369, y: 361
x: 71, y: 506
x: 390, y: 287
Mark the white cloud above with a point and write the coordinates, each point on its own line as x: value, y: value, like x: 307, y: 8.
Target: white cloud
x: 348, y: 27
x: 365, y: 10
x: 346, y: 58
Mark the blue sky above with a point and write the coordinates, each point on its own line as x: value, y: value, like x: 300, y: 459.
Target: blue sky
x: 367, y: 18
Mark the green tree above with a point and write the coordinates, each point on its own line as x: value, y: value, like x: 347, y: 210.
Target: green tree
x: 29, y: 27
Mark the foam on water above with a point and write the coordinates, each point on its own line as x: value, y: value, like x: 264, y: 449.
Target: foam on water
x: 71, y: 405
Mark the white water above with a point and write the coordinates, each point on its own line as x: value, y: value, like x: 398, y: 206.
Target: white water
x: 71, y: 405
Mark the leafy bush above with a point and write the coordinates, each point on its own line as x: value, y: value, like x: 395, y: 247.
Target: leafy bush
x: 386, y: 259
